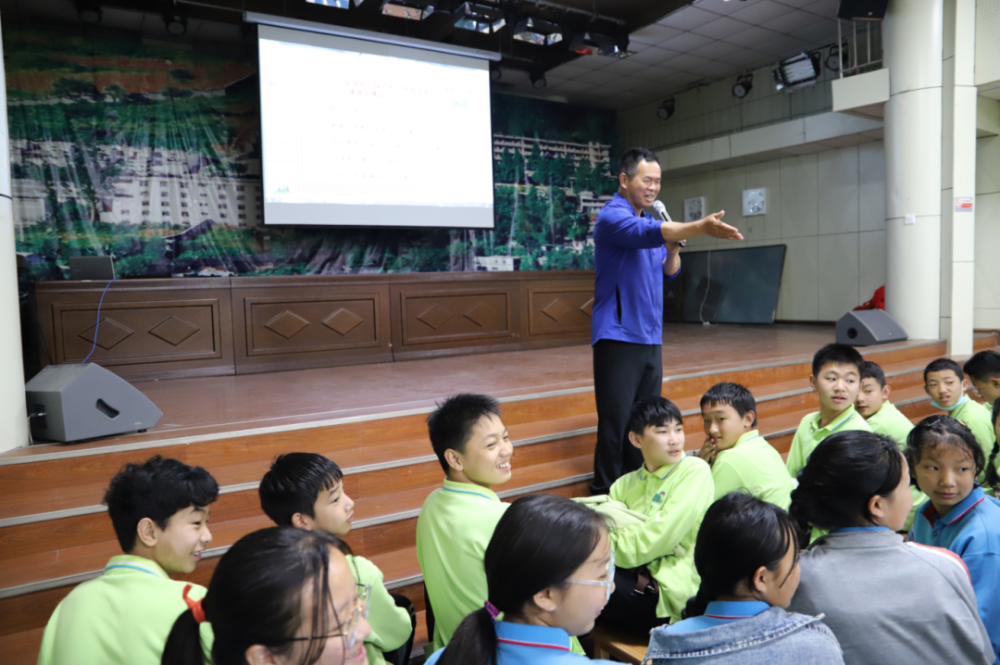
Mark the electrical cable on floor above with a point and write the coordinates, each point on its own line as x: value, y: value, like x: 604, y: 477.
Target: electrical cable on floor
x: 97, y: 327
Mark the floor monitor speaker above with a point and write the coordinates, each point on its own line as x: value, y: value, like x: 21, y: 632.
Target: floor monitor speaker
x: 862, y: 10
x: 86, y: 401
x: 867, y: 327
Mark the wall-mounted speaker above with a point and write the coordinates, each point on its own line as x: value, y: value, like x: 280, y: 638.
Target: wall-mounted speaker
x: 862, y: 10
x: 86, y: 401
x: 868, y: 327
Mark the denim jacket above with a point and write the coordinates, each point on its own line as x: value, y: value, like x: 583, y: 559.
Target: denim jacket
x: 774, y: 637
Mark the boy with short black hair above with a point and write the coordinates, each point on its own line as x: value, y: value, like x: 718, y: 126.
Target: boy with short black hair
x: 159, y: 510
x: 457, y: 521
x: 743, y: 459
x: 655, y: 559
x: 884, y: 418
x: 945, y: 383
x: 984, y: 372
x: 306, y: 490
x: 836, y: 378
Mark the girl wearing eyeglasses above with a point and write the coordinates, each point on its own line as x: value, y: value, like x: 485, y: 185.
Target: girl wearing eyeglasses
x: 872, y: 587
x: 550, y: 572
x: 946, y: 459
x: 279, y: 596
x: 747, y: 554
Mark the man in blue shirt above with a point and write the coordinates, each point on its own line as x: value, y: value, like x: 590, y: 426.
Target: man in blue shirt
x: 632, y: 253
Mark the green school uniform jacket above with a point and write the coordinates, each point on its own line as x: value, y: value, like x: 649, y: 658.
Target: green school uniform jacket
x: 391, y: 625
x: 674, y: 499
x: 754, y: 464
x: 810, y: 434
x: 977, y: 419
x: 455, y: 525
x: 122, y: 617
x: 889, y: 421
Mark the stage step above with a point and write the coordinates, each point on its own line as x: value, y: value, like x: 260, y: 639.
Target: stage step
x: 54, y: 533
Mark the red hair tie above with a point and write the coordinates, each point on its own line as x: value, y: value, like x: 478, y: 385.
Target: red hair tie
x: 491, y: 608
x: 194, y: 605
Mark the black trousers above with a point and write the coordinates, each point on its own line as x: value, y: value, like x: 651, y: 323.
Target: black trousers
x: 629, y: 610
x: 401, y: 656
x: 623, y: 373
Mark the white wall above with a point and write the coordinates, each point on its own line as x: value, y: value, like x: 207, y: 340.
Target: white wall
x: 986, y: 313
x: 828, y: 208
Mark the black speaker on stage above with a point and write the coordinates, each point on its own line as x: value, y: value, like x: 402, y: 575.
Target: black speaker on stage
x: 867, y: 327
x: 862, y: 10
x: 86, y: 401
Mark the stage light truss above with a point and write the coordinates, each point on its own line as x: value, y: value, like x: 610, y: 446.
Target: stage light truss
x: 537, y: 31
x: 413, y: 10
x: 481, y: 18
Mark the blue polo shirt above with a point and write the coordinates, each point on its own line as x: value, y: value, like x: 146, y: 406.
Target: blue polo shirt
x: 718, y: 613
x: 521, y: 644
x: 628, y: 275
x: 971, y: 530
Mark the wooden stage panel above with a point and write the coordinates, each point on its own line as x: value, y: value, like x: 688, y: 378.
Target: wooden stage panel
x: 559, y: 309
x: 428, y: 316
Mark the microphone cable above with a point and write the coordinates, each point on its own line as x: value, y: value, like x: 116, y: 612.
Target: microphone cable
x: 97, y: 327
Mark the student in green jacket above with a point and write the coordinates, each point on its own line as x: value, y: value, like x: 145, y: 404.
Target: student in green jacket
x: 159, y: 511
x: 983, y: 370
x: 836, y: 378
x: 306, y: 490
x: 884, y: 418
x: 457, y: 521
x: 656, y: 573
x: 742, y: 458
x: 946, y: 384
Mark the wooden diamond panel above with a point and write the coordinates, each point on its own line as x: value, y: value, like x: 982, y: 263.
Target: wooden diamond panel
x: 560, y: 310
x: 289, y: 326
x: 428, y: 319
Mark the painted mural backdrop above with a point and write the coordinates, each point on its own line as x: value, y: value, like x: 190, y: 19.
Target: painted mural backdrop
x: 152, y: 155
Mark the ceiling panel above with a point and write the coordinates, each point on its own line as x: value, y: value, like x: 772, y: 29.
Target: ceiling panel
x: 720, y: 28
x: 688, y: 18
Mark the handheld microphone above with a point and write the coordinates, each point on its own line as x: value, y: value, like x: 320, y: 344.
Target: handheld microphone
x: 661, y: 210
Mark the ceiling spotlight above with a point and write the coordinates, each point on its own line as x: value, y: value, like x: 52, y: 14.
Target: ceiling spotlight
x: 495, y: 72
x: 175, y: 23
x: 590, y: 43
x: 538, y: 80
x: 796, y: 72
x: 484, y: 19
x: 413, y: 10
x: 89, y: 11
x: 744, y: 84
x: 836, y: 59
x: 535, y: 31
x: 339, y: 4
x: 666, y: 109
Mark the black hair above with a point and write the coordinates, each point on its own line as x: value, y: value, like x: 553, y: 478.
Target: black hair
x: 983, y: 365
x: 538, y: 543
x: 870, y: 370
x: 739, y: 534
x: 450, y: 425
x: 838, y: 354
x: 734, y: 395
x: 629, y: 163
x: 255, y: 597
x: 653, y: 412
x: 293, y: 484
x: 842, y: 475
x: 942, y: 364
x: 158, y: 488
x: 941, y: 430
x: 992, y: 476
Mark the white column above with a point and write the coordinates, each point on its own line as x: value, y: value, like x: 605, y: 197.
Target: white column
x: 13, y: 414
x: 958, y: 175
x: 912, y: 38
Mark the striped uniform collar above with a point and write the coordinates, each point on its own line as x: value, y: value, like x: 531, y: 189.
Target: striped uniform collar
x: 730, y: 610
x: 959, y: 510
x: 468, y: 489
x: 747, y: 436
x: 126, y: 564
x: 539, y: 637
x: 842, y: 419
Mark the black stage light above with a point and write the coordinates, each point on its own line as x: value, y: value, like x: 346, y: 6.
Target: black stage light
x: 495, y: 72
x: 175, y: 23
x: 796, y: 72
x: 538, y: 80
x: 666, y: 108
x: 485, y: 19
x: 836, y: 59
x: 744, y: 84
x: 536, y: 31
x: 89, y: 11
x: 413, y: 10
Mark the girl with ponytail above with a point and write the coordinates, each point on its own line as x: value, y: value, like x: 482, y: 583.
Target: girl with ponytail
x: 747, y: 556
x: 878, y: 593
x: 550, y: 572
x: 279, y: 596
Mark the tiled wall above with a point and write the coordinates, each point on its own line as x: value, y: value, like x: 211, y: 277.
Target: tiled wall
x: 712, y: 110
x: 828, y: 208
x: 986, y: 303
